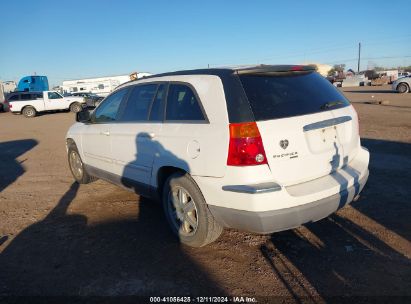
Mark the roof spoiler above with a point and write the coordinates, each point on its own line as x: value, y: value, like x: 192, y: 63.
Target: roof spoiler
x: 274, y: 69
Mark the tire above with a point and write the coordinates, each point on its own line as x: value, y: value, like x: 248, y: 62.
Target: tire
x: 75, y: 107
x: 403, y: 88
x: 195, y: 226
x: 77, y: 167
x: 29, y: 112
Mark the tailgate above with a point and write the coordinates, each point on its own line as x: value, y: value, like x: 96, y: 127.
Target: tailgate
x: 303, y: 148
x: 308, y: 127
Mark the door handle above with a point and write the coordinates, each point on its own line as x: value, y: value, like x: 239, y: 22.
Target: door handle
x: 106, y: 133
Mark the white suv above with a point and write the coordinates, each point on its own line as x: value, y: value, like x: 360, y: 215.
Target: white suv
x: 261, y: 149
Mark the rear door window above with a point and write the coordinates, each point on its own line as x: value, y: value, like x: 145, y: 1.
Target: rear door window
x: 139, y: 102
x: 182, y: 104
x: 290, y: 94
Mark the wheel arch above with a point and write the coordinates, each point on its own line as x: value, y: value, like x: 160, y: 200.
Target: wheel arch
x: 74, y: 102
x: 163, y: 173
x: 26, y: 106
x: 70, y: 141
x: 403, y: 82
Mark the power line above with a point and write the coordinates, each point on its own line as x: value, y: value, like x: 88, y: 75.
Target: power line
x: 368, y: 58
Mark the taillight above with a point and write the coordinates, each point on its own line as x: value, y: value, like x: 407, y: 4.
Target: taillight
x: 246, y: 146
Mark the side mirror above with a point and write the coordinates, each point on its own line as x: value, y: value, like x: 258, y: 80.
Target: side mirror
x: 83, y: 116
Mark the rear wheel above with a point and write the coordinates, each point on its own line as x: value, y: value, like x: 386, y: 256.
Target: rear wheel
x: 29, y: 112
x: 403, y: 88
x: 187, y: 212
x: 77, y: 167
x: 75, y: 107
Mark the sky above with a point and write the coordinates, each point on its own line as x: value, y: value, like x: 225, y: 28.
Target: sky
x: 71, y: 39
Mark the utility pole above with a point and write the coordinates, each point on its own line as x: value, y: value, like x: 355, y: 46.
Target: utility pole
x: 359, y: 57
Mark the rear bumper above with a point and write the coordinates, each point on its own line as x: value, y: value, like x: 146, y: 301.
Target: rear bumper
x: 277, y: 220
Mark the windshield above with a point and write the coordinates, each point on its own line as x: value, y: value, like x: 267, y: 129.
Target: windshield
x: 290, y: 94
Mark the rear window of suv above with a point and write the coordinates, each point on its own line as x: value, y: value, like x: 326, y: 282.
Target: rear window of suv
x: 290, y: 94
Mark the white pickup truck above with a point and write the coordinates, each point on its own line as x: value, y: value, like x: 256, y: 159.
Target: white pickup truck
x: 30, y: 103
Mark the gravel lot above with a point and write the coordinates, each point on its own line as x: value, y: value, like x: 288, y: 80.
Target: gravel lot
x: 58, y: 238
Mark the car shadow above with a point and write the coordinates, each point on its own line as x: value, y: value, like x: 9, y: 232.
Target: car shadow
x: 343, y: 255
x: 64, y: 255
x: 386, y: 197
x: 11, y: 168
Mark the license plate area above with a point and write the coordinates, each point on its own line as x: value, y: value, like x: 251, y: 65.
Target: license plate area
x: 329, y: 135
x: 322, y: 140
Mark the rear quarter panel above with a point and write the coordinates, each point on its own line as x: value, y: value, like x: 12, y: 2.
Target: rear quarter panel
x: 198, y: 148
x: 17, y: 106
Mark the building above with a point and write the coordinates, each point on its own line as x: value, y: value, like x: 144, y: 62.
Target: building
x: 323, y: 69
x: 101, y: 86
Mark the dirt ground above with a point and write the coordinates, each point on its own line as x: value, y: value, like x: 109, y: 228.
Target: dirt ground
x: 58, y: 238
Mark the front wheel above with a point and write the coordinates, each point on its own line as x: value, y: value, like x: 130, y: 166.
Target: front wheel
x: 77, y: 167
x: 403, y: 88
x: 187, y: 212
x: 75, y: 107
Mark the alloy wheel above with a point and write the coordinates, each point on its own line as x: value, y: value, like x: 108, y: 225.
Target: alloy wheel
x: 182, y: 211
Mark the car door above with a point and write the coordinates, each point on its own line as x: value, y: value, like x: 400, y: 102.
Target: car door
x: 134, y: 138
x: 53, y: 101
x: 96, y: 143
x: 187, y: 139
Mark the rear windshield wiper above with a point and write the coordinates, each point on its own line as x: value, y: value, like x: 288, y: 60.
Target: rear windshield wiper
x: 331, y: 104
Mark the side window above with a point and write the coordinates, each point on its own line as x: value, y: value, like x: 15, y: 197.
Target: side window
x: 26, y: 97
x: 138, y: 103
x: 14, y: 97
x: 54, y: 95
x: 107, y: 111
x: 157, y: 109
x: 182, y: 104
